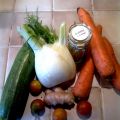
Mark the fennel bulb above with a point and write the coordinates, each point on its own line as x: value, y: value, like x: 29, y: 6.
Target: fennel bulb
x: 53, y: 62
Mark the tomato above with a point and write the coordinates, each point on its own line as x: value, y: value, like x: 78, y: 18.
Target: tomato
x: 35, y: 87
x: 37, y: 107
x: 59, y: 114
x: 84, y: 108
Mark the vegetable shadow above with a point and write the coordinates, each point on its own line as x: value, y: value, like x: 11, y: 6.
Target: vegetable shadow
x: 84, y: 117
x: 103, y: 82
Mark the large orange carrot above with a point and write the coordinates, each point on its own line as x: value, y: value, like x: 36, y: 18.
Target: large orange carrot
x: 116, y: 75
x: 100, y: 56
x: 83, y: 83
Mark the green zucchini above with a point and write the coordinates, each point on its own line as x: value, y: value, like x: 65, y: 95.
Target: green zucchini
x: 16, y: 89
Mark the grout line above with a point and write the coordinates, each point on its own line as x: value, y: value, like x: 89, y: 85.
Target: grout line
x: 92, y: 5
x: 102, y: 104
x: 15, y: 46
x: 14, y: 6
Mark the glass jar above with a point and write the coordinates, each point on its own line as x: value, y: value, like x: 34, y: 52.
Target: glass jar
x: 78, y: 39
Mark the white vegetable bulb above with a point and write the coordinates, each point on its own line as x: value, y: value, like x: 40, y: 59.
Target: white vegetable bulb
x: 54, y: 67
x: 54, y: 63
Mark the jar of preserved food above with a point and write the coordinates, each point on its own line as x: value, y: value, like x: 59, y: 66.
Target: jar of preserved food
x: 78, y: 39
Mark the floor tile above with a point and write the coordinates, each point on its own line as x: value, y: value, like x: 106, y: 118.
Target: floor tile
x: 110, y: 20
x: 70, y: 5
x: 6, y: 5
x: 106, y: 4
x: 12, y: 52
x: 111, y: 104
x: 116, y: 48
x: 68, y: 17
x: 5, y: 28
x: 3, y: 63
x: 19, y: 19
x: 95, y: 82
x: 33, y: 5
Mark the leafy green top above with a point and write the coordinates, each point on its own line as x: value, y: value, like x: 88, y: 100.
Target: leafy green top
x: 40, y: 30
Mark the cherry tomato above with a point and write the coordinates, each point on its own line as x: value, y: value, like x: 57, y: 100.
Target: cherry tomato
x: 84, y: 108
x: 59, y: 114
x: 37, y: 107
x: 35, y: 87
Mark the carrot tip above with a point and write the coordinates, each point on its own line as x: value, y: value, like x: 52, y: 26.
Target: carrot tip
x: 78, y: 9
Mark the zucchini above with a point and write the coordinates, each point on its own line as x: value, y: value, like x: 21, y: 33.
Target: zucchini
x: 16, y: 90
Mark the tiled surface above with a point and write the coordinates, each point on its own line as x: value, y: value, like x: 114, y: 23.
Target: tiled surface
x: 6, y: 5
x: 70, y: 5
x: 68, y: 17
x: 117, y: 51
x: 52, y: 13
x: 5, y: 28
x: 30, y: 5
x: 110, y: 20
x: 111, y: 104
x: 106, y: 4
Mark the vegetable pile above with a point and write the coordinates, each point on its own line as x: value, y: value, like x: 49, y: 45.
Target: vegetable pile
x: 51, y: 62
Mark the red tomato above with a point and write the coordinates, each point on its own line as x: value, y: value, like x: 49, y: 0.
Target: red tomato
x: 84, y: 108
x: 37, y: 106
x: 35, y: 87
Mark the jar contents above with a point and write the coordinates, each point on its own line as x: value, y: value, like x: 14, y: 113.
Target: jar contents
x: 79, y: 36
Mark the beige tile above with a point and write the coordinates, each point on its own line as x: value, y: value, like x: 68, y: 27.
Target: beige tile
x: 19, y: 19
x: 111, y: 104
x: 110, y: 20
x: 11, y: 57
x: 106, y: 4
x: 5, y: 28
x: 6, y: 5
x: 3, y: 62
x: 116, y: 48
x: 63, y: 5
x: 4, y: 37
x: 33, y: 5
x: 68, y: 17
x: 95, y: 82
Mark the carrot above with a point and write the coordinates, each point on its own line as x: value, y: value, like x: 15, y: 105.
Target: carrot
x: 116, y: 75
x: 83, y: 83
x: 99, y: 28
x: 101, y: 58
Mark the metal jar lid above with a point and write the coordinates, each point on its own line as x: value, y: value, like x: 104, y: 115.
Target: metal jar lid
x: 80, y: 34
